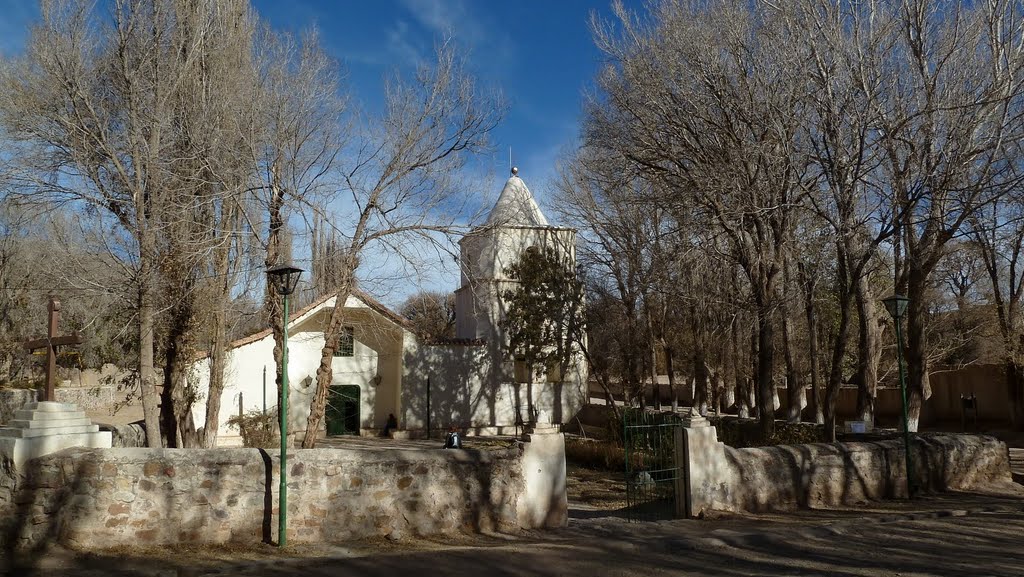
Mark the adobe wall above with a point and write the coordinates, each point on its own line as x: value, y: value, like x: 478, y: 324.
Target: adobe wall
x: 106, y: 498
x: 823, y: 475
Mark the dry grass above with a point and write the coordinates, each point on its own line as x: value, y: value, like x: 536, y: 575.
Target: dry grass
x: 594, y: 454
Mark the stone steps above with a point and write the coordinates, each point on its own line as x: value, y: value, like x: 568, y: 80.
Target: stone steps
x: 49, y: 423
x: 38, y: 415
x: 50, y: 407
x: 45, y: 427
x: 47, y: 432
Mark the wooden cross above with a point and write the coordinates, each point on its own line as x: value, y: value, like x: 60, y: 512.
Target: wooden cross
x: 50, y: 343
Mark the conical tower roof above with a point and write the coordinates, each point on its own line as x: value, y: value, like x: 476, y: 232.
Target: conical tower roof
x: 516, y: 206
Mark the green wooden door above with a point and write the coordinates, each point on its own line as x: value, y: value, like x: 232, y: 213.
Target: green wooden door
x: 343, y: 410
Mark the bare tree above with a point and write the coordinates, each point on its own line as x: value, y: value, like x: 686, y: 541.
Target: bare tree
x: 431, y: 313
x: 295, y: 135
x: 717, y: 128
x: 998, y: 231
x: 951, y: 117
x: 402, y: 182
x: 93, y: 104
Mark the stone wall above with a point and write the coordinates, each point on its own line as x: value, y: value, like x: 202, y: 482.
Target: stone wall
x: 126, y: 436
x: 92, y: 397
x: 722, y: 478
x: 107, y: 498
x: 12, y: 400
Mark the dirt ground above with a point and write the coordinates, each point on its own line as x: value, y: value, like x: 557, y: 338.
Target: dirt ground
x: 947, y: 534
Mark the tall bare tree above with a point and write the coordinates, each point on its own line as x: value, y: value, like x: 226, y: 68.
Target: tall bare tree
x: 93, y: 102
x: 716, y: 127
x: 402, y: 182
x: 951, y: 119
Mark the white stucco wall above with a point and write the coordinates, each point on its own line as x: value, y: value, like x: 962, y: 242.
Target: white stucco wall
x: 375, y: 367
x: 468, y: 391
x: 485, y: 257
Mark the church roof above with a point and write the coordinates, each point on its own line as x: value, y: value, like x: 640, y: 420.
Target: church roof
x: 295, y: 316
x: 516, y: 206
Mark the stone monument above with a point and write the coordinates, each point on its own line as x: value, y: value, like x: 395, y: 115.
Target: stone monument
x: 47, y: 426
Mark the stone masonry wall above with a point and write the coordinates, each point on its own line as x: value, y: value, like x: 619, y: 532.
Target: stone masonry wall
x: 722, y: 478
x: 92, y: 397
x: 105, y: 498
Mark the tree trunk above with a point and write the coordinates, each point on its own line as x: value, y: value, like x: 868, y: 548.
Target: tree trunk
x: 1015, y: 392
x: 765, y: 369
x: 655, y: 385
x: 918, y: 387
x: 671, y: 379
x: 325, y: 372
x: 147, y: 339
x: 218, y: 342
x: 273, y: 304
x: 835, y: 375
x: 218, y: 346
x: 812, y: 353
x: 867, y: 352
x: 700, y: 381
x: 793, y: 388
x: 740, y: 393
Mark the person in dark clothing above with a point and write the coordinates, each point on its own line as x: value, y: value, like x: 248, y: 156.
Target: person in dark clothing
x: 453, y: 440
x: 391, y: 425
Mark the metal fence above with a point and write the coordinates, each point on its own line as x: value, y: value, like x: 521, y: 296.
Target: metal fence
x: 651, y: 467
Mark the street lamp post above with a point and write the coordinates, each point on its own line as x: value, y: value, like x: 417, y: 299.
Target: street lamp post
x: 284, y: 278
x: 897, y: 307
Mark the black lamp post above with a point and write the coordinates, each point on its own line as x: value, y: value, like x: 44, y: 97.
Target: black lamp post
x: 284, y: 278
x: 897, y: 307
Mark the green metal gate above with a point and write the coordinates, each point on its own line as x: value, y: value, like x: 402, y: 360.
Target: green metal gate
x: 651, y: 468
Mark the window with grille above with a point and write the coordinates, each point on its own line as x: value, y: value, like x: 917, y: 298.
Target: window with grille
x: 346, y: 343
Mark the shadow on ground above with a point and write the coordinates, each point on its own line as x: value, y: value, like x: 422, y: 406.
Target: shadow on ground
x: 954, y: 534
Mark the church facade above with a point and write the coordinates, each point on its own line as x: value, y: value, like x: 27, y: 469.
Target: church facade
x: 471, y: 382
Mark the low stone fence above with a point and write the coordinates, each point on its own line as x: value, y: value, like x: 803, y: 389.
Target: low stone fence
x: 721, y: 478
x: 89, y: 397
x: 106, y: 498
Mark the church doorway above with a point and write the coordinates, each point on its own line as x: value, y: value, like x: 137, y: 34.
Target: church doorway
x: 343, y: 410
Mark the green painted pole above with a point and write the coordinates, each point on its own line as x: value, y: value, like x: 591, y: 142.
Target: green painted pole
x: 906, y: 419
x: 282, y: 528
x: 264, y: 389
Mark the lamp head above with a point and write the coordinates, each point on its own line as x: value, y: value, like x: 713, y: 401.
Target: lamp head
x: 896, y: 305
x: 284, y: 278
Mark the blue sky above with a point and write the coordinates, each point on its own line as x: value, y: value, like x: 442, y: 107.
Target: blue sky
x: 538, y: 53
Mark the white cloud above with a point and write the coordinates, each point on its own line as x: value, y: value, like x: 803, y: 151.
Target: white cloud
x: 403, y: 47
x: 442, y: 18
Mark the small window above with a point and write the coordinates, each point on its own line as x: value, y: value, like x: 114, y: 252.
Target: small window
x: 346, y: 343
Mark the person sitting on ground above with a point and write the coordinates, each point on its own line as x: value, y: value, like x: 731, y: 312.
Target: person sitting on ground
x: 453, y: 440
x: 391, y: 425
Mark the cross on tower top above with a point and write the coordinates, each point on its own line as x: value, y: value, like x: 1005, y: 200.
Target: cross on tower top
x: 50, y: 343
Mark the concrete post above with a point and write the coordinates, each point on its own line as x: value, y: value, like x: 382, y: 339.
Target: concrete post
x: 543, y: 501
x: 703, y: 463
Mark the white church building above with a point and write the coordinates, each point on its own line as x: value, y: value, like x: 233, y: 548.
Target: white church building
x: 471, y: 382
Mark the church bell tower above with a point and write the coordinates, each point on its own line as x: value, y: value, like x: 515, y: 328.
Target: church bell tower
x: 514, y: 225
